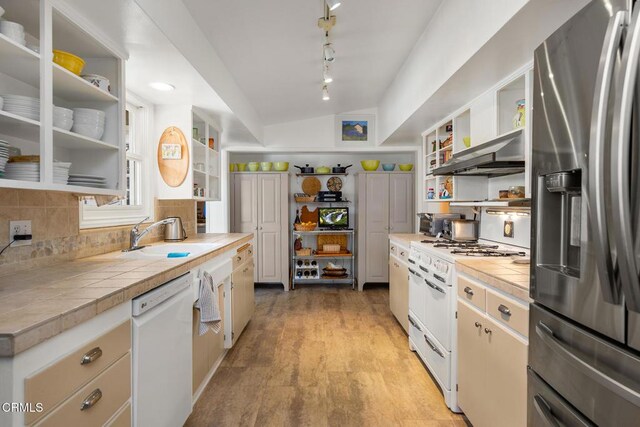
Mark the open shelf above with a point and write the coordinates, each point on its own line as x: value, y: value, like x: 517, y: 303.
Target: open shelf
x: 19, y: 127
x: 67, y: 139
x: 324, y: 232
x: 19, y: 62
x: 322, y: 174
x: 70, y: 87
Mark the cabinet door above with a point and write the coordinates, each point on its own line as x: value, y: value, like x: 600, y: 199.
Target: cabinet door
x: 217, y: 340
x: 249, y: 288
x: 472, y: 393
x: 401, y: 203
x: 377, y: 228
x: 237, y: 277
x: 394, y: 268
x: 269, y: 228
x: 245, y: 203
x: 506, y: 386
x: 200, y: 348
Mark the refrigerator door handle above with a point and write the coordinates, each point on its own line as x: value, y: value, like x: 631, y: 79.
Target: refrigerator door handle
x: 543, y: 408
x: 620, y: 171
x: 599, y: 186
x: 548, y: 337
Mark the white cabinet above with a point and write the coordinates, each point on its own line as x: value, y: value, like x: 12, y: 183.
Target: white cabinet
x: 34, y: 130
x: 242, y: 293
x: 492, y: 361
x: 259, y: 203
x: 385, y: 205
x: 399, y: 287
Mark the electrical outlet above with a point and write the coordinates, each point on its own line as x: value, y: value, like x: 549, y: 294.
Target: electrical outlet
x: 19, y: 227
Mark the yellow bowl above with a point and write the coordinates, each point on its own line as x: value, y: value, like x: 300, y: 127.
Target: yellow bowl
x: 69, y: 61
x: 406, y: 167
x: 370, y: 165
x: 232, y: 167
x: 467, y: 141
x: 281, y: 166
x: 254, y: 166
x: 266, y: 166
x: 241, y: 167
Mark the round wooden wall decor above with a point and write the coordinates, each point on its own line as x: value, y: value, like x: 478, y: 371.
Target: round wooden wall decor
x: 173, y: 156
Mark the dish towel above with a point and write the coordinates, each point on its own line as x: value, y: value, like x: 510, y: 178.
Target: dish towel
x: 207, y: 303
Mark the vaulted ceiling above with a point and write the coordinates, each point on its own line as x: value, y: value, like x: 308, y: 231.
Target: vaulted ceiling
x: 273, y: 50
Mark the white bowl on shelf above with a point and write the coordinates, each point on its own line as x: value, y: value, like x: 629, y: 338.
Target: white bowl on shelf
x: 62, y: 111
x: 101, y: 82
x: 64, y: 124
x: 89, y: 121
x: 89, y: 112
x: 1, y: 11
x: 11, y: 26
x: 90, y: 131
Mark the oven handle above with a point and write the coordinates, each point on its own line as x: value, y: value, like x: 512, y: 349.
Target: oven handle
x: 548, y: 337
x: 433, y: 347
x: 413, y: 322
x: 423, y: 269
x: 544, y: 409
x: 434, y: 286
x: 435, y: 276
x: 415, y: 273
x: 411, y: 261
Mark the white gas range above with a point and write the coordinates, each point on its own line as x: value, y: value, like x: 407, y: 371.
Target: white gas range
x: 433, y: 306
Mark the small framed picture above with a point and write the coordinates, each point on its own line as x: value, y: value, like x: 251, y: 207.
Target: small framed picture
x: 508, y: 229
x: 171, y: 152
x: 355, y: 129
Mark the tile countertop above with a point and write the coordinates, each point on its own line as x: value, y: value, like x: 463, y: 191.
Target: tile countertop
x: 501, y: 273
x: 38, y: 304
x: 405, y: 238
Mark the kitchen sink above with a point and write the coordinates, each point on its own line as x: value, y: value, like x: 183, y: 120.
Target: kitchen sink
x: 162, y: 250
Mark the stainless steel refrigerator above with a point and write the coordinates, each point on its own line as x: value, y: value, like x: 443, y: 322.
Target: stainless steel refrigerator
x: 584, y: 349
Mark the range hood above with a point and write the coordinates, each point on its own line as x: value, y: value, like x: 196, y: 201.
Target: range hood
x: 503, y: 155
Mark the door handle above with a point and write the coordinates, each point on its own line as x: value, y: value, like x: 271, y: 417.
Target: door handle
x: 504, y: 310
x: 415, y: 273
x: 623, y: 198
x: 487, y: 331
x: 423, y: 269
x: 599, y: 186
x: 91, y: 399
x: 433, y: 347
x: 435, y: 287
x: 468, y: 291
x: 411, y: 261
x: 435, y: 276
x: 544, y: 409
x: 91, y: 356
x: 414, y: 324
x: 478, y: 325
x: 606, y: 380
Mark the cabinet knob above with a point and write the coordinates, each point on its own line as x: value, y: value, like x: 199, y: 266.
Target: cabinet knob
x: 91, y: 399
x: 504, y: 310
x: 468, y: 291
x: 402, y: 253
x: 487, y: 330
x: 478, y: 325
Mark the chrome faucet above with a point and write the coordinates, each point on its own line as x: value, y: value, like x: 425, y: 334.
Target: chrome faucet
x: 135, y: 236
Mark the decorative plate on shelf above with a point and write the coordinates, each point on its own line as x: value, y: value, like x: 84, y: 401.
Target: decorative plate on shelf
x: 334, y: 184
x: 311, y: 185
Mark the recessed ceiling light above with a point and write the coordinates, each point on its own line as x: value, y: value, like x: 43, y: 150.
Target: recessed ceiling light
x: 333, y: 4
x: 164, y: 87
x: 325, y: 93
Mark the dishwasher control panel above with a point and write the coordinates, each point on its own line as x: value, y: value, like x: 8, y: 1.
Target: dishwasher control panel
x: 147, y: 301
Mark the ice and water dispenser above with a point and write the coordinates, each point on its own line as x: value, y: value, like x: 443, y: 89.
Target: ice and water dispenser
x: 559, y: 221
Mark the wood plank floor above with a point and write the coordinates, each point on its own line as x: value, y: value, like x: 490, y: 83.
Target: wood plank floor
x: 322, y: 356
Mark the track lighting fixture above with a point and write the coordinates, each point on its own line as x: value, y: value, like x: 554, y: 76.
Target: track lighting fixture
x: 326, y: 75
x: 329, y: 53
x: 333, y: 4
x: 325, y: 93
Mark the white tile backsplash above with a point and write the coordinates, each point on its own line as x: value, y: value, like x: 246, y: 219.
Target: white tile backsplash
x: 491, y: 228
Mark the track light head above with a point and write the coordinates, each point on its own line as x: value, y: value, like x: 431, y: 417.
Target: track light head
x: 325, y: 93
x: 329, y: 53
x: 333, y: 4
x: 326, y: 75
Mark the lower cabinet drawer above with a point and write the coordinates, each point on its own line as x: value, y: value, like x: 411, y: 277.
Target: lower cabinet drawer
x: 508, y: 312
x: 58, y: 381
x: 438, y: 360
x: 471, y: 292
x: 122, y: 418
x: 97, y: 402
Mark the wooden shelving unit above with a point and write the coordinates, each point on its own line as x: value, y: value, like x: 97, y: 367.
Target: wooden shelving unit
x: 205, y: 161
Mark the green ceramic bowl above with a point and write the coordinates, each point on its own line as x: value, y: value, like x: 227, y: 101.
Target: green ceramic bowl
x: 254, y: 166
x: 406, y: 167
x: 323, y: 169
x: 266, y: 166
x: 370, y: 165
x: 241, y: 167
x: 281, y: 166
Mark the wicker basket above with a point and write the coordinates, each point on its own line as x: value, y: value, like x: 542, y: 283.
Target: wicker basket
x: 302, y: 198
x: 305, y: 227
x: 331, y: 248
x: 303, y: 252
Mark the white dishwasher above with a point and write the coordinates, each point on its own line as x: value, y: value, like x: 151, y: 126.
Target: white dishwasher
x: 162, y: 370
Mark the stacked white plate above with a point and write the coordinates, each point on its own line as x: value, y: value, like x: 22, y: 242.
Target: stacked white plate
x: 14, y: 31
x: 88, y: 180
x: 24, y: 106
x: 4, y: 156
x: 61, y: 172
x: 62, y: 118
x: 88, y: 122
x: 23, y: 171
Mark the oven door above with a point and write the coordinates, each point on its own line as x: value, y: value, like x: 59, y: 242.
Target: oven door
x: 416, y: 294
x: 438, y: 310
